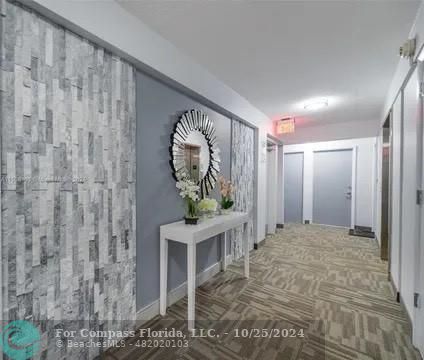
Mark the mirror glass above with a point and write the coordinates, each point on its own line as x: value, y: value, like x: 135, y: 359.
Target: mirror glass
x: 194, y: 150
x: 197, y: 155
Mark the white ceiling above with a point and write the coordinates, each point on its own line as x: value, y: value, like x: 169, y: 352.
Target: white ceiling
x: 277, y: 54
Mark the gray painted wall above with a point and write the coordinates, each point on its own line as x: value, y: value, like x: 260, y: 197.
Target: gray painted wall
x: 158, y: 203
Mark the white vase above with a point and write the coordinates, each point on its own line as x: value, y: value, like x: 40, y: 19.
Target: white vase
x: 226, y: 211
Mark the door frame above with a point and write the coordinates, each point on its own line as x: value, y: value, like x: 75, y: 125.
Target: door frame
x: 418, y: 312
x: 418, y: 332
x: 384, y: 144
x: 1, y: 229
x: 375, y: 180
x: 354, y: 150
x: 274, y: 146
x: 392, y: 190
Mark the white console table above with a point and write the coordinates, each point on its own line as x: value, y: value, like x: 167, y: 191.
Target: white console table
x: 191, y: 235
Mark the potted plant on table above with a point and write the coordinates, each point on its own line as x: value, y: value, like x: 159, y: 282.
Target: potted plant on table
x: 226, y: 189
x: 208, y: 207
x: 189, y: 191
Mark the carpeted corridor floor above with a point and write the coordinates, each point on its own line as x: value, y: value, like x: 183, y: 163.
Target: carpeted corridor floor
x: 317, y: 279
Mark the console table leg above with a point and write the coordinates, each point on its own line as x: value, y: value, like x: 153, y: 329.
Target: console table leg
x: 191, y: 283
x: 163, y: 275
x: 224, y: 251
x: 246, y: 249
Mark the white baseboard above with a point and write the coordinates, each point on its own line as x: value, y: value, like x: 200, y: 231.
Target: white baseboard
x: 260, y: 241
x: 151, y: 310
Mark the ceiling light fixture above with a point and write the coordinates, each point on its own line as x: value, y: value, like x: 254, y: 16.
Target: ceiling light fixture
x: 316, y: 104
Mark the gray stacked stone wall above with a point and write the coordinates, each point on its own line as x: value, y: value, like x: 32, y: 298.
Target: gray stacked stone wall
x: 68, y: 215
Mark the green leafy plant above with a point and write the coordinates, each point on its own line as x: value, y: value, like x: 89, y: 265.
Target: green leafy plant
x: 226, y: 203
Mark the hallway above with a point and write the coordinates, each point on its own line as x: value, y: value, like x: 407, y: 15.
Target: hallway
x: 141, y: 158
x: 307, y: 277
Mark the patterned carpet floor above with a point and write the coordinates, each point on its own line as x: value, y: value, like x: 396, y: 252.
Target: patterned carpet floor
x: 328, y: 289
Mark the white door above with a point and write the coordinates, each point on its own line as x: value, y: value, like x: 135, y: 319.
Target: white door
x: 409, y: 227
x: 418, y: 334
x: 396, y: 191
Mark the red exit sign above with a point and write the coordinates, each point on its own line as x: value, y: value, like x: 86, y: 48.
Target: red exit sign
x: 285, y: 126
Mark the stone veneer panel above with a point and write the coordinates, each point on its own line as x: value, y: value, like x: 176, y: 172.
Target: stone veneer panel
x: 67, y: 112
x: 243, y: 177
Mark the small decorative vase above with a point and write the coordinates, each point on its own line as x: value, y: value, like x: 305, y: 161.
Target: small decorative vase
x: 191, y: 217
x: 226, y: 211
x: 226, y: 205
x: 191, y: 221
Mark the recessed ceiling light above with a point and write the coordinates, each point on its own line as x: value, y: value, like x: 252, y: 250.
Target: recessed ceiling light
x: 316, y: 104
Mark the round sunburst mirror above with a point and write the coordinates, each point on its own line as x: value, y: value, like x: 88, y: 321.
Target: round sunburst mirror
x: 194, y: 150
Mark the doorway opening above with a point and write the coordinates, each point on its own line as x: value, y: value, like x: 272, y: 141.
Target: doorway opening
x: 386, y: 190
x: 271, y: 223
x: 274, y: 198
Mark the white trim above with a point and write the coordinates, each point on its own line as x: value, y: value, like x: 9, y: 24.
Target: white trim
x: 379, y: 185
x: 261, y: 183
x: 306, y: 199
x: 1, y: 238
x: 258, y: 243
x: 280, y: 185
x: 375, y: 187
x: 151, y: 310
x: 418, y: 333
x: 272, y: 191
x: 331, y: 226
x: 398, y: 190
x: 353, y: 190
x: 402, y: 126
x: 256, y: 219
x: 274, y: 140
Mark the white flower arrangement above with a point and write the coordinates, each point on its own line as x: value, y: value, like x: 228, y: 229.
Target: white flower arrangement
x: 208, y: 205
x: 188, y: 189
